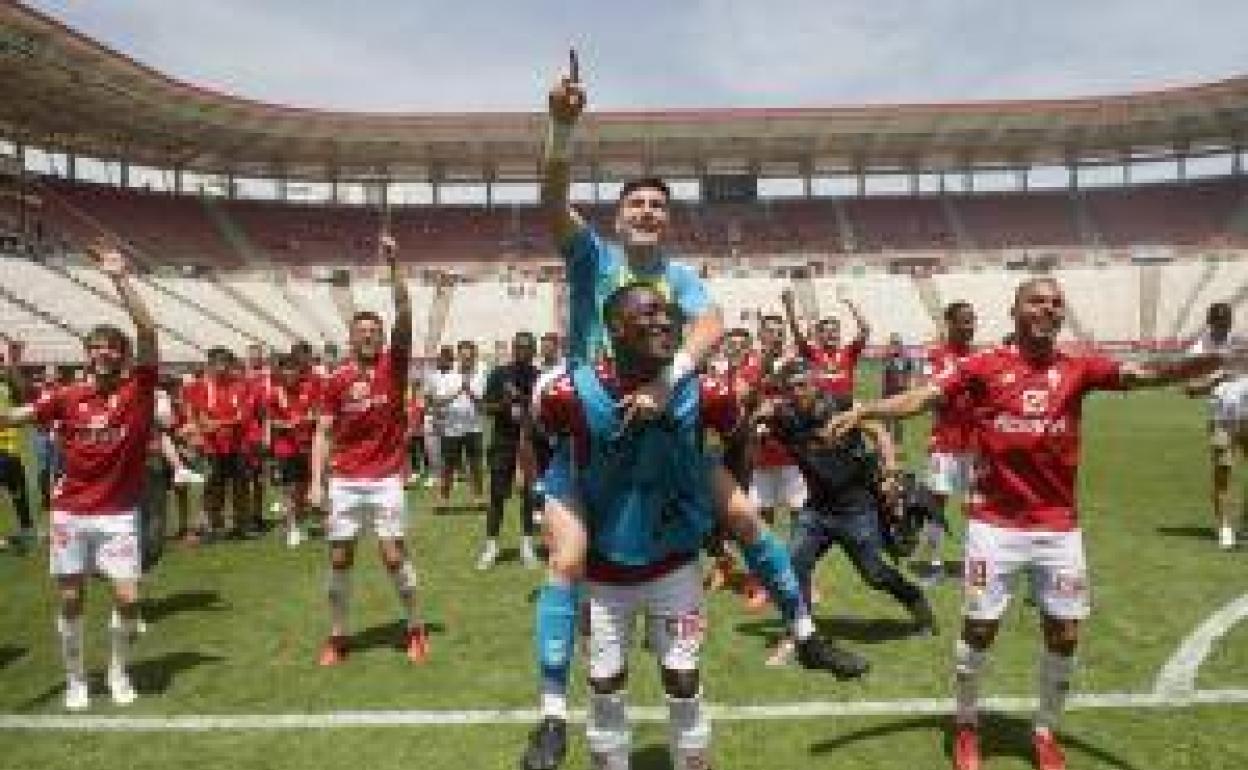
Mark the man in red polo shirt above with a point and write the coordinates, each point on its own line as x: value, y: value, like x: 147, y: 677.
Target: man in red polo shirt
x: 361, y: 435
x: 104, y: 426
x: 290, y: 416
x: 258, y: 378
x: 1026, y: 398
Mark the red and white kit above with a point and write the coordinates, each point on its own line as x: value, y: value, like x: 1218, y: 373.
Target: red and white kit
x: 1022, y: 503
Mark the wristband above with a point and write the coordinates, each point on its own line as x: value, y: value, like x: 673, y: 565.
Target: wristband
x: 681, y: 367
x: 559, y: 141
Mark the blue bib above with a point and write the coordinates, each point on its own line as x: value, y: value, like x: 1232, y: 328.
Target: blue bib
x: 646, y: 488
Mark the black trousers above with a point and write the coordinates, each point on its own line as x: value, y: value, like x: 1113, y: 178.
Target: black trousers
x: 13, y: 479
x: 502, y: 457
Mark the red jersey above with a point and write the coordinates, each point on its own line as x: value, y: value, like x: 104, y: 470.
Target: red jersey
x: 370, y: 420
x: 560, y: 411
x: 104, y: 439
x: 259, y: 383
x: 227, y: 402
x: 771, y: 453
x: 834, y: 366
x: 953, y: 424
x: 1026, y: 416
x: 296, y: 405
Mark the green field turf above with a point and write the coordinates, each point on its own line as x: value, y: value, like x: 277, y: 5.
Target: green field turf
x: 236, y: 626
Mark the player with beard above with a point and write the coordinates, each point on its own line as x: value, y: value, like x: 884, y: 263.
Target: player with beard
x: 361, y: 436
x: 951, y: 446
x: 595, y: 268
x: 1026, y: 399
x: 835, y: 365
x: 104, y: 426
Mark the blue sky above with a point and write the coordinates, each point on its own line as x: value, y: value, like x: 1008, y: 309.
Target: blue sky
x: 401, y: 55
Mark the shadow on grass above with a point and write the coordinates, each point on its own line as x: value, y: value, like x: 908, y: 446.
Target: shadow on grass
x: 10, y: 654
x: 1198, y: 533
x: 842, y: 628
x: 388, y: 635
x: 653, y: 757
x: 159, y: 608
x: 1000, y: 735
x: 151, y: 676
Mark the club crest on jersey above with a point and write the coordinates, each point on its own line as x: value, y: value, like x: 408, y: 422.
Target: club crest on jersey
x: 1035, y: 402
x: 1007, y: 378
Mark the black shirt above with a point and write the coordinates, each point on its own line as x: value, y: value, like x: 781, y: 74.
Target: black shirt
x: 838, y: 474
x: 514, y: 406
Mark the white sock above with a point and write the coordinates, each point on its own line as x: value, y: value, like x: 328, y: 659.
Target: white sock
x: 690, y: 733
x: 121, y: 633
x: 404, y: 579
x: 608, y: 732
x: 968, y: 665
x: 339, y: 590
x: 803, y: 627
x: 70, y: 630
x: 1052, y: 685
x: 555, y: 704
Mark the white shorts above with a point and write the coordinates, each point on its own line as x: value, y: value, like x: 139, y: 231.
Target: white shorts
x: 1054, y: 563
x: 353, y: 504
x: 1228, y: 403
x: 779, y: 486
x: 672, y: 606
x: 950, y: 474
x: 83, y: 544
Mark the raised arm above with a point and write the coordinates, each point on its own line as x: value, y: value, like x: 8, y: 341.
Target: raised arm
x: 565, y: 104
x: 860, y: 321
x: 790, y: 316
x: 401, y: 333
x: 113, y: 264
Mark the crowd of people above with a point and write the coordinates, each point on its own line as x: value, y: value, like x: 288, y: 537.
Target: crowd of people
x: 645, y: 436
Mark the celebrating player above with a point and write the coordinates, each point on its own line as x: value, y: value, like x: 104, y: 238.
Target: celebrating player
x: 951, y: 444
x: 1027, y: 400
x: 104, y: 426
x: 595, y: 268
x: 361, y: 435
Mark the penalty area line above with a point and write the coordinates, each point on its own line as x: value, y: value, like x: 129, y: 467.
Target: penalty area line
x: 721, y: 713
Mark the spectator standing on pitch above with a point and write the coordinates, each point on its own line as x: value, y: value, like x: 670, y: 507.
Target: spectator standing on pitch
x: 458, y: 393
x: 1227, y: 392
x: 435, y: 412
x: 508, y: 399
x: 897, y: 372
x: 14, y: 392
x: 361, y: 437
x: 1027, y: 399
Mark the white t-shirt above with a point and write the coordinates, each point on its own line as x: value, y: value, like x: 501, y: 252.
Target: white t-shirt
x: 460, y: 416
x: 1228, y: 400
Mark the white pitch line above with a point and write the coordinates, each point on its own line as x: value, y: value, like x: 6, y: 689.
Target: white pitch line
x: 1178, y: 677
x: 722, y: 713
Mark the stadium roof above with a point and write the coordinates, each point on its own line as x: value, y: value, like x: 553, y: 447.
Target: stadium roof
x: 63, y: 91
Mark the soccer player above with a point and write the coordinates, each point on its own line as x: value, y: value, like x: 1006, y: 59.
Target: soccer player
x: 508, y: 395
x: 775, y: 480
x: 258, y: 377
x: 291, y: 416
x: 845, y: 478
x: 1227, y: 393
x: 360, y: 435
x: 105, y: 424
x: 951, y: 444
x: 222, y: 405
x: 835, y: 365
x: 596, y: 267
x: 646, y: 486
x: 1026, y: 400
